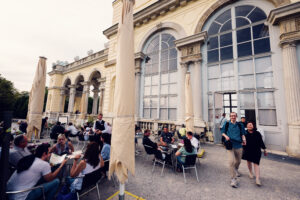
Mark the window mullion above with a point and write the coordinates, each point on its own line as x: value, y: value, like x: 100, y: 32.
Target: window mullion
x: 159, y: 75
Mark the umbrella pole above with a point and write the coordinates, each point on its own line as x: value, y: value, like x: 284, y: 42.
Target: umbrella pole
x: 122, y: 191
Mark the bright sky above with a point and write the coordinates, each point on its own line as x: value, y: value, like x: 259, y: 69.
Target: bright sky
x: 56, y: 29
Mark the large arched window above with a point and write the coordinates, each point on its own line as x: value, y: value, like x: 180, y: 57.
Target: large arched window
x: 239, y: 64
x: 159, y: 78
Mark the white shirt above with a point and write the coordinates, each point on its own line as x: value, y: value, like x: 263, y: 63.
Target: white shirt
x: 28, y: 179
x: 109, y: 129
x: 195, y: 142
x: 72, y: 129
x: 16, y: 154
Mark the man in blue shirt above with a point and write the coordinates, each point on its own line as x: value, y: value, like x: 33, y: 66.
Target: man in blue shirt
x: 235, y: 132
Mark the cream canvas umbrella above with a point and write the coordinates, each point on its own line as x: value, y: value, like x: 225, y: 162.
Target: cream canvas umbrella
x: 36, y: 100
x: 122, y: 157
x: 189, y: 111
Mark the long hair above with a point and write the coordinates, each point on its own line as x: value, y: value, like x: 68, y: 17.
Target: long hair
x: 91, y: 154
x: 188, y: 145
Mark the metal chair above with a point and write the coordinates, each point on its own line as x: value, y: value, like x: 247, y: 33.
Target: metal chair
x: 90, y: 182
x: 30, y: 189
x: 190, y: 163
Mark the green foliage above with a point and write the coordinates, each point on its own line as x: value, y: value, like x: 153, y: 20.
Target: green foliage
x: 90, y: 105
x: 21, y: 105
x: 7, y: 94
x: 12, y: 100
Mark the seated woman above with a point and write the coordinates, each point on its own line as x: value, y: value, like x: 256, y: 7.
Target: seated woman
x: 63, y: 146
x: 92, y: 161
x: 186, y: 150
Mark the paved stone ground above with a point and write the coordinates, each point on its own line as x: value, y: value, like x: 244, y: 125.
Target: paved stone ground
x: 280, y: 179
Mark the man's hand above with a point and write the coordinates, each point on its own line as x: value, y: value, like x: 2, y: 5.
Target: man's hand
x: 226, y: 137
x: 98, y: 131
x: 77, y: 157
x: 244, y: 143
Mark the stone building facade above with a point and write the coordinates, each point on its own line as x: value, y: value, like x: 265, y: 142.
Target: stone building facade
x: 243, y: 56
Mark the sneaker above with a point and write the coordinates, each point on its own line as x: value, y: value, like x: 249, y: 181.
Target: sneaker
x: 233, y: 183
x: 258, y: 183
x: 238, y: 174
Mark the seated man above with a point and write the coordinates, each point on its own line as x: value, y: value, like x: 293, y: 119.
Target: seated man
x: 166, y: 137
x: 30, y: 170
x: 193, y: 140
x: 105, y: 152
x: 19, y: 151
x: 72, y: 131
x: 155, y: 149
x: 56, y: 130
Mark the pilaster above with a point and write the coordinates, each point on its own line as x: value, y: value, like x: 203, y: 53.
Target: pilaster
x: 72, y: 98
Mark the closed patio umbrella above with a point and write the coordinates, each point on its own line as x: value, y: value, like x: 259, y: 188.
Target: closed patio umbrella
x: 189, y: 111
x: 36, y: 100
x: 122, y: 156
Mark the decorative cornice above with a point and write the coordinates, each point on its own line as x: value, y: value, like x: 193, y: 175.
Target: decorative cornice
x: 55, y: 72
x: 151, y: 12
x: 197, y: 38
x: 284, y: 12
x: 110, y: 63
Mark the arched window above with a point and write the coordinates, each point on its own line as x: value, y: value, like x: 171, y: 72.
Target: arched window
x: 239, y: 64
x: 159, y: 78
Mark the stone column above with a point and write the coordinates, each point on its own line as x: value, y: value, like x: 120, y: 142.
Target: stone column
x: 181, y: 94
x: 102, y: 90
x: 61, y: 101
x: 72, y: 98
x: 137, y: 94
x: 95, y: 101
x: 197, y: 94
x: 292, y: 96
x: 84, y: 99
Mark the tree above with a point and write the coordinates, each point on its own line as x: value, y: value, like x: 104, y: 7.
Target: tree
x: 21, y: 105
x: 7, y: 94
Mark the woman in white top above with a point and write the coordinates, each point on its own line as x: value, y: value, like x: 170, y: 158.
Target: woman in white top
x: 91, y: 162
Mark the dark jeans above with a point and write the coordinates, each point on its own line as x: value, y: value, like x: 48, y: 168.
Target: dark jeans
x: 179, y: 162
x: 50, y: 189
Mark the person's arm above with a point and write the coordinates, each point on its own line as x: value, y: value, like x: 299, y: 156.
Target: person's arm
x: 162, y: 142
x: 94, y: 126
x: 52, y: 149
x: 223, y: 132
x: 71, y: 146
x: 105, y: 153
x: 101, y: 162
x: 51, y: 176
x: 106, y: 128
x: 173, y: 140
x: 77, y: 168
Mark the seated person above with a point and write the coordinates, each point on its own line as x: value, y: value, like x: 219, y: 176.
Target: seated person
x: 186, y: 150
x: 193, y: 140
x: 19, y: 151
x: 56, y: 130
x: 166, y: 137
x: 30, y: 170
x: 92, y: 161
x: 72, y: 131
x: 155, y: 149
x: 63, y: 146
x: 105, y: 152
x: 182, y: 132
x: 88, y: 133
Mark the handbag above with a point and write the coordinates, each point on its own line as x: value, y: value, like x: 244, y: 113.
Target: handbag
x: 228, y: 144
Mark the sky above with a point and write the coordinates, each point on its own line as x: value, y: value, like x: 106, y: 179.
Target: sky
x: 55, y: 29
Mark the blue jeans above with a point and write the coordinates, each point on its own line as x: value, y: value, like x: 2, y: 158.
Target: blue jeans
x: 50, y: 189
x: 179, y: 162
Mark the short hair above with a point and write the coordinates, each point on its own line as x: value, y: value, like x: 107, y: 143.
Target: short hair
x: 58, y: 123
x: 234, y: 113
x: 70, y: 124
x: 146, y: 131
x: 224, y: 114
x: 243, y: 117
x: 100, y: 114
x: 189, y: 133
x: 165, y: 126
x: 41, y: 149
x: 46, y: 117
x: 106, y: 138
x: 19, y: 139
x: 183, y: 125
x: 61, y: 136
x: 253, y: 123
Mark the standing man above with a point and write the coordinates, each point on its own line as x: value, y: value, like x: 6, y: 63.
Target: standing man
x: 100, y: 126
x: 44, y: 125
x: 235, y: 132
x: 194, y: 141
